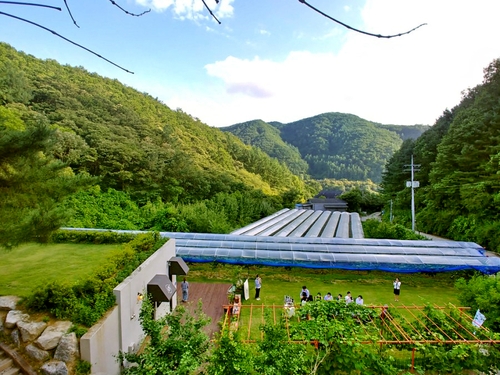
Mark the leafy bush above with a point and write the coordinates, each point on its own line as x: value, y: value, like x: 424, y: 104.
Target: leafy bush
x: 94, y: 237
x: 377, y: 229
x: 83, y: 367
x: 482, y: 292
x: 179, y: 350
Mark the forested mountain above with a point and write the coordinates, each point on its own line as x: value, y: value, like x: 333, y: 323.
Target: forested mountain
x: 459, y: 194
x: 267, y: 137
x: 334, y: 145
x: 129, y: 141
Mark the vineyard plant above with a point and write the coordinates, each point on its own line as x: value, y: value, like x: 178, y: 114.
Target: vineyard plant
x: 333, y: 338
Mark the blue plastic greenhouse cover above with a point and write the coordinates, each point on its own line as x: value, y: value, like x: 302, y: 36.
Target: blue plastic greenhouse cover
x: 341, y: 253
x: 320, y: 239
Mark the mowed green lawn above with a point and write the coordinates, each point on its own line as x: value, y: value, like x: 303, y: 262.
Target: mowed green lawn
x: 25, y: 267
x: 375, y: 286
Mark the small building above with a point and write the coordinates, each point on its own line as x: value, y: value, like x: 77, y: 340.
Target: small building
x: 324, y: 204
x: 325, y: 200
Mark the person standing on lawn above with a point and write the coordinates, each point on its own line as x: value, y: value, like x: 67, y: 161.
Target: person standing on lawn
x: 185, y: 290
x: 397, y: 289
x: 258, y: 285
x: 304, y: 290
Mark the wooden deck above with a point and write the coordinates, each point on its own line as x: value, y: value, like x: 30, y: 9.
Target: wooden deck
x: 213, y: 297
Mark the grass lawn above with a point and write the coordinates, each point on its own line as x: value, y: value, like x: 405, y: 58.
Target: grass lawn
x: 27, y: 266
x: 375, y: 286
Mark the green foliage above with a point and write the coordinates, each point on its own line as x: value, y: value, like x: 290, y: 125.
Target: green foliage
x: 276, y: 355
x: 266, y: 137
x: 458, y: 157
x: 32, y: 184
x: 79, y: 330
x: 482, y: 292
x: 87, y: 300
x: 230, y: 356
x: 114, y: 209
x: 83, y: 367
x: 373, y: 228
x: 111, y: 209
x: 131, y: 141
x: 363, y: 201
x: 94, y: 237
x: 178, y: 344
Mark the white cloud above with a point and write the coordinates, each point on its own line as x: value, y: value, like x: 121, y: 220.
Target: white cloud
x: 190, y: 9
x: 403, y: 80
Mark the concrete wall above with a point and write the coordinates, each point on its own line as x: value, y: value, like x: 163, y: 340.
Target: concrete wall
x: 120, y: 329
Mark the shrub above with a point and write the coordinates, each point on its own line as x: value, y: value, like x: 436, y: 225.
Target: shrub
x: 376, y: 229
x: 93, y: 237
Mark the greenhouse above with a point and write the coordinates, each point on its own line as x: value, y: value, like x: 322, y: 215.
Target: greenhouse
x: 324, y: 239
x: 329, y: 240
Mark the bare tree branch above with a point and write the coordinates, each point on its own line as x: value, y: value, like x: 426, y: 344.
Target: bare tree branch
x: 359, y: 31
x: 210, y: 11
x: 66, y: 39
x: 30, y: 4
x: 69, y: 11
x: 127, y: 12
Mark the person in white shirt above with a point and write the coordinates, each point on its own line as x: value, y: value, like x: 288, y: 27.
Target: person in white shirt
x: 348, y: 298
x: 359, y: 300
x: 258, y: 285
x: 397, y: 289
x: 328, y: 297
x: 304, y: 290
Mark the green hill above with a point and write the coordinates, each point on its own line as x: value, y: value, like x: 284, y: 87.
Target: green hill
x: 334, y: 145
x: 267, y: 137
x: 131, y: 141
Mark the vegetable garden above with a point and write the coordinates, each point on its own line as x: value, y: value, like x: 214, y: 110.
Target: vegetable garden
x: 383, y: 339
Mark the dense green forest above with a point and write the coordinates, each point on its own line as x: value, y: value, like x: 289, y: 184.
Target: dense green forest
x: 267, y: 137
x: 459, y: 193
x: 122, y: 148
x: 330, y: 145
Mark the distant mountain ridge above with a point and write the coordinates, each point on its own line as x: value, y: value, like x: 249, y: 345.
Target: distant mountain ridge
x: 329, y: 145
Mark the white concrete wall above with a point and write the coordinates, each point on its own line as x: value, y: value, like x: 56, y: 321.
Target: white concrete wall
x: 120, y: 330
x: 100, y: 344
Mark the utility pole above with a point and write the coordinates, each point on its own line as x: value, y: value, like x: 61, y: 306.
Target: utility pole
x: 413, y: 184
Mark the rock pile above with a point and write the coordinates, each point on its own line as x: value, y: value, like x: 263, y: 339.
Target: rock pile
x: 50, y: 344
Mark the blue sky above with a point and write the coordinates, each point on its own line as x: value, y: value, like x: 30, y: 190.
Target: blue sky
x: 275, y: 60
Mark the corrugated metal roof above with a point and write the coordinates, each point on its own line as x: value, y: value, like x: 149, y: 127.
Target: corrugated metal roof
x: 306, y: 223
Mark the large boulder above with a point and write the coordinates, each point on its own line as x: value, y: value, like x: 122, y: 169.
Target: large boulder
x: 37, y: 354
x: 30, y: 330
x: 49, y: 339
x: 67, y: 349
x: 8, y: 302
x: 55, y: 368
x: 13, y: 317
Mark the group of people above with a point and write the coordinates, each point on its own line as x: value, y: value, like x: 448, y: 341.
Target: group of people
x: 305, y: 296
